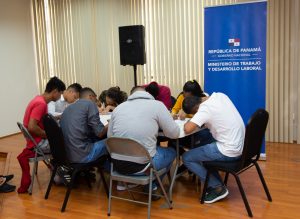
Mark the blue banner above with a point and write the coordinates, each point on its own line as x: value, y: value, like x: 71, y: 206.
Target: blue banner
x: 235, y: 54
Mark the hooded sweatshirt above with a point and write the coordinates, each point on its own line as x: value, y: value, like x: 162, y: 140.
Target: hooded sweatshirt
x: 140, y: 118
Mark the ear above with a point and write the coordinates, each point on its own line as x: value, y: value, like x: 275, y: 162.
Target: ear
x: 195, y: 109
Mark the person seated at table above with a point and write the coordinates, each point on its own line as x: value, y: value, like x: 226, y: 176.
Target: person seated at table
x: 101, y: 100
x: 4, y: 186
x: 82, y: 129
x: 203, y: 137
x: 114, y: 96
x: 140, y: 118
x: 34, y: 113
x: 160, y: 92
x: 226, y: 124
x: 69, y: 96
x: 190, y: 88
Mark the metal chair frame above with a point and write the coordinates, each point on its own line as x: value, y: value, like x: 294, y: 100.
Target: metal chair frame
x: 38, y: 156
x: 127, y: 149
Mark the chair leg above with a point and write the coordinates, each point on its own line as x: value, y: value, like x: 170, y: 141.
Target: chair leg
x: 51, y: 181
x: 226, y: 178
x: 70, y: 186
x: 163, y: 190
x: 128, y: 190
x: 150, y: 193
x: 243, y: 195
x: 36, y: 168
x: 104, y: 182
x: 169, y: 177
x: 109, y: 196
x: 263, y: 181
x: 205, y: 187
x: 32, y: 177
x: 87, y: 179
x: 198, y: 183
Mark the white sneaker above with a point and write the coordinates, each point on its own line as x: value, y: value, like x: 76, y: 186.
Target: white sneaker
x: 121, y: 186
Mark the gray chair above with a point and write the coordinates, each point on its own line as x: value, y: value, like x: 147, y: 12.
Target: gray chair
x: 39, y: 155
x: 126, y: 149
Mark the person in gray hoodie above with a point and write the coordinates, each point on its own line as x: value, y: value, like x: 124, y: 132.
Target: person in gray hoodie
x: 140, y: 118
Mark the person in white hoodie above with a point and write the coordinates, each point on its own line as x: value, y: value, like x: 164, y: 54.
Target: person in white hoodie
x: 225, y: 123
x: 140, y: 118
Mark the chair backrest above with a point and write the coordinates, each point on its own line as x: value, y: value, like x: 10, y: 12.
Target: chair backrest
x: 127, y: 149
x: 255, y: 132
x: 26, y: 133
x: 56, y: 140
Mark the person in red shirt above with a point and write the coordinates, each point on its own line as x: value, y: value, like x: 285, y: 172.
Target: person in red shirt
x: 160, y: 92
x: 35, y: 110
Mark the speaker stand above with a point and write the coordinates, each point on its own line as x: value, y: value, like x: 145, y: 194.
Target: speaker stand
x: 135, y: 78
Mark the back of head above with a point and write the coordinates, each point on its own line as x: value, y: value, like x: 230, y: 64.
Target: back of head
x: 55, y: 83
x: 194, y: 88
x: 190, y: 104
x: 115, y: 94
x: 76, y: 87
x: 136, y: 88
x: 102, y: 96
x: 86, y: 92
x: 153, y: 89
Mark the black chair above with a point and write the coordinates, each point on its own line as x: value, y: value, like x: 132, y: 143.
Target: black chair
x: 255, y: 131
x: 58, y: 150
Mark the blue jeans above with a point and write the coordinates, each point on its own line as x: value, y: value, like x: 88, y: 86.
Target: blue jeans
x: 163, y: 158
x: 193, y: 159
x: 98, y: 150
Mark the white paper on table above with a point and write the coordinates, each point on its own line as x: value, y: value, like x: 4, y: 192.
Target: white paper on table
x: 181, y: 123
x: 104, y: 119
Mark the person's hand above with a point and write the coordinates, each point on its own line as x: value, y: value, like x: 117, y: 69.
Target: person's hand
x: 109, y: 108
x: 182, y: 115
x: 175, y: 116
x: 101, y: 109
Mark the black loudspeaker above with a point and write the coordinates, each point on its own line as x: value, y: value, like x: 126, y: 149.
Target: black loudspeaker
x: 132, y: 45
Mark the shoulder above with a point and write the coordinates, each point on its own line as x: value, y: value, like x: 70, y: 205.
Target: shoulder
x: 38, y: 101
x: 180, y: 97
x: 159, y: 106
x: 164, y: 88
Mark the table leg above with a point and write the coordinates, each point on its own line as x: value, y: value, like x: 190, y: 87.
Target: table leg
x: 175, y: 170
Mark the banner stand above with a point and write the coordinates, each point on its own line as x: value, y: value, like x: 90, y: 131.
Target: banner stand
x: 235, y: 55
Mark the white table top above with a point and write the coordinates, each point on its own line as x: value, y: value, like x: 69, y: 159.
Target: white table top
x: 105, y: 118
x: 181, y: 123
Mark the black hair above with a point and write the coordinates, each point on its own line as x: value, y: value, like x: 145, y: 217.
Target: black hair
x: 76, y: 87
x: 194, y: 88
x: 136, y: 88
x: 189, y: 104
x: 55, y: 83
x: 153, y: 89
x: 86, y: 91
x: 116, y: 95
x: 102, y: 96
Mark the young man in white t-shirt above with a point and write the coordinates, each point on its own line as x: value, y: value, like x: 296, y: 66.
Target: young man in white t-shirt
x: 220, y: 116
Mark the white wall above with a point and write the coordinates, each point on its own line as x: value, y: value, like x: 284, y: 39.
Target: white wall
x: 17, y: 63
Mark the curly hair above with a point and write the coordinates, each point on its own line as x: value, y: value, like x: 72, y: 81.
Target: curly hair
x: 116, y: 95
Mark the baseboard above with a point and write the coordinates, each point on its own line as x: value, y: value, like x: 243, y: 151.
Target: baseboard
x: 263, y: 156
x: 6, y: 136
